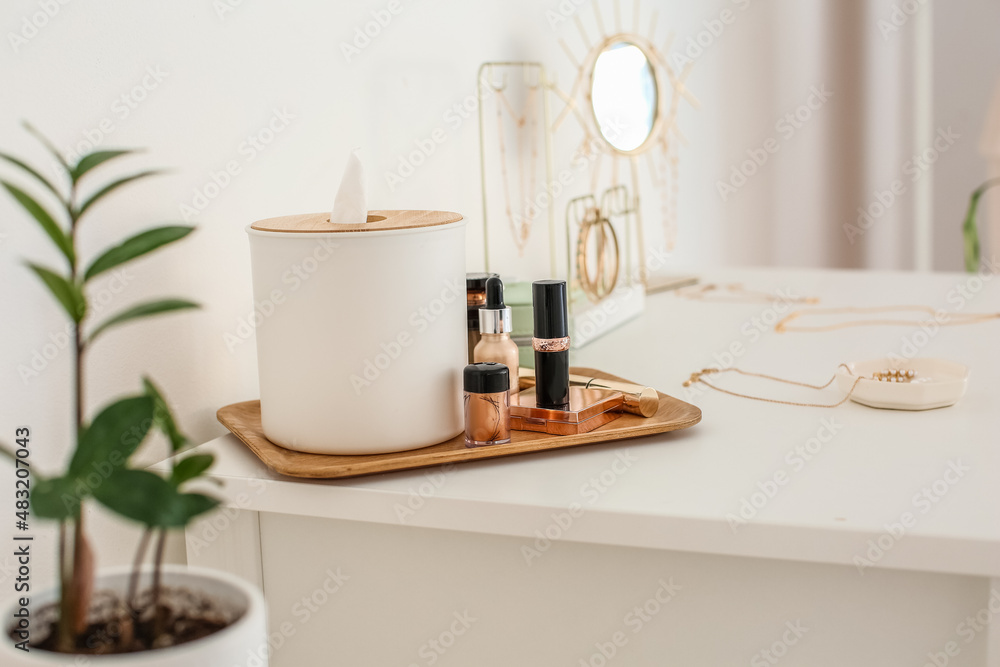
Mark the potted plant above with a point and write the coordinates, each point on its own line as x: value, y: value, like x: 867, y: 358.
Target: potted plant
x: 179, y: 616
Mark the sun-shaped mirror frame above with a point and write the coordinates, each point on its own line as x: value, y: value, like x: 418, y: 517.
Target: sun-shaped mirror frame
x: 591, y: 67
x: 665, y: 135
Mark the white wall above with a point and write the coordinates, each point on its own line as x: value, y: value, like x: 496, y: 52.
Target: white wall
x: 224, y: 74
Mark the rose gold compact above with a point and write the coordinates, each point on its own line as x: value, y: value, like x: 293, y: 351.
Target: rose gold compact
x: 588, y: 409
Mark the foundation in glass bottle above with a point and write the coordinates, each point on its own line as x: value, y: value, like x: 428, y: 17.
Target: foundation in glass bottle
x: 487, y: 404
x: 475, y: 298
x: 495, y: 325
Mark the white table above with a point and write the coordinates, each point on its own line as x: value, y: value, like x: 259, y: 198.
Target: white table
x: 642, y: 564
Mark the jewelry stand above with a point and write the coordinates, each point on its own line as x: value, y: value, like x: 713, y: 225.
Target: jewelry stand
x: 515, y: 94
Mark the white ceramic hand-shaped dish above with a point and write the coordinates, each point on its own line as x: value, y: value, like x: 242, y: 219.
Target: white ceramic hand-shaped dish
x: 935, y: 383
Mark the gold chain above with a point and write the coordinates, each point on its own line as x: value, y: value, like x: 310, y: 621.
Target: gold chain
x: 521, y: 230
x: 700, y: 377
x: 938, y: 318
x: 736, y: 293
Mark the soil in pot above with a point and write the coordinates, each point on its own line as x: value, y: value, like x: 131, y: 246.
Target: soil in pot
x: 181, y: 616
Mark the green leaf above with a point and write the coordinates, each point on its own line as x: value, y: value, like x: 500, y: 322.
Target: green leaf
x: 970, y: 233
x: 151, y: 500
x: 142, y: 310
x: 136, y: 246
x: 114, y: 435
x: 68, y: 293
x: 192, y: 505
x: 138, y: 495
x: 7, y: 451
x: 48, y: 223
x: 163, y: 418
x: 190, y: 468
x: 55, y: 498
x: 35, y: 174
x: 113, y: 186
x: 91, y: 160
x: 48, y: 144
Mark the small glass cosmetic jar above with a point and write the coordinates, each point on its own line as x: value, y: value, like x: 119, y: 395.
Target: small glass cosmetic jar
x: 487, y: 404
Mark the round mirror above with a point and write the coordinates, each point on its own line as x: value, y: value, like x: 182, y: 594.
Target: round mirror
x: 623, y: 95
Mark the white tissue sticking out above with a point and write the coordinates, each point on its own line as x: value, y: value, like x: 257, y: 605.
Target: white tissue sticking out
x: 351, y: 207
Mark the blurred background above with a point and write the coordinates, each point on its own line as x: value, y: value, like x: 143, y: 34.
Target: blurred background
x: 253, y: 107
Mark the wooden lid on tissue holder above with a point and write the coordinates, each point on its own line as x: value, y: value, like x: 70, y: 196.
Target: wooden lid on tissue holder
x: 377, y: 221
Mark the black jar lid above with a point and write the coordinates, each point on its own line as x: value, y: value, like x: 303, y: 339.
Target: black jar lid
x: 488, y: 377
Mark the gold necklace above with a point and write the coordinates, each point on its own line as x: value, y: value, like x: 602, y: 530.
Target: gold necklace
x: 736, y: 293
x: 520, y: 229
x: 699, y: 376
x: 938, y: 318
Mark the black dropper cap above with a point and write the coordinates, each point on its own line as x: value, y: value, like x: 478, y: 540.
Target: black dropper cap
x: 477, y: 281
x: 488, y: 377
x: 548, y: 297
x: 494, y: 294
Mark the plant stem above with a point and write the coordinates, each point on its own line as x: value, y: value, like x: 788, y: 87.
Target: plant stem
x: 133, y: 584
x: 159, y: 619
x: 74, y: 584
x: 65, y: 635
x: 158, y: 566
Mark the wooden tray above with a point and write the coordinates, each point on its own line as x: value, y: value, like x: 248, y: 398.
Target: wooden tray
x: 243, y: 419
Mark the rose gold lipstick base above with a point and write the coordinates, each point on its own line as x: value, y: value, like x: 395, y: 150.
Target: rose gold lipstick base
x: 588, y: 409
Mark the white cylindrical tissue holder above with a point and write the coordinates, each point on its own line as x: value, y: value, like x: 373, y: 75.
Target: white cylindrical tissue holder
x: 361, y: 330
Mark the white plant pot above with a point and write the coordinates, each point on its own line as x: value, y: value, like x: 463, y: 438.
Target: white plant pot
x: 242, y: 644
x: 361, y: 330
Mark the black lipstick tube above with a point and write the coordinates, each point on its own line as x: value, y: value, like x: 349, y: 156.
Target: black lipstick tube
x: 551, y: 344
